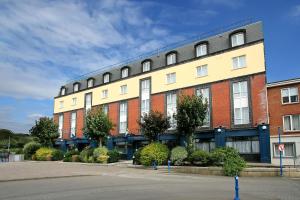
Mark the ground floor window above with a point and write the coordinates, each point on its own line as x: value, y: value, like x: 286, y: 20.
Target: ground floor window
x: 289, y: 150
x: 121, y: 147
x: 205, y: 144
x: 244, y: 145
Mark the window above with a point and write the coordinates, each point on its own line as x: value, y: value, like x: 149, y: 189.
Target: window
x: 61, y: 104
x: 205, y: 97
x: 88, y: 102
x: 171, y: 58
x: 75, y: 87
x: 237, y: 39
x: 105, y: 109
x: 201, y: 50
x: 62, y: 91
x: 90, y: 82
x: 244, y: 145
x: 289, y: 95
x: 123, y: 89
x: 202, y: 71
x: 205, y: 144
x: 104, y: 94
x: 73, y: 124
x: 106, y: 78
x: 74, y: 101
x: 171, y: 78
x: 239, y: 62
x: 146, y: 66
x: 289, y: 150
x: 172, y: 108
x: 145, y: 96
x: 124, y: 72
x: 291, y: 123
x: 240, y: 103
x: 60, y: 125
x: 123, y: 117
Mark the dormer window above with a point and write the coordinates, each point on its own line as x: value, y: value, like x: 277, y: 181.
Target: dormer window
x: 237, y: 39
x: 146, y: 66
x: 75, y: 87
x: 124, y: 72
x: 90, y: 82
x: 201, y: 49
x: 171, y: 58
x: 63, y: 91
x: 106, y: 78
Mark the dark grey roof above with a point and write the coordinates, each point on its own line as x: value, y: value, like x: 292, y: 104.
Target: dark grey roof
x: 217, y: 42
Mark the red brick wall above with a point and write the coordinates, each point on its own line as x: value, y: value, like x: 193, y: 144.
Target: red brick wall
x: 221, y: 104
x: 259, y: 99
x: 277, y: 110
x: 188, y: 91
x: 79, y: 123
x: 158, y: 102
x: 66, y: 125
x: 133, y: 115
x: 113, y: 113
x: 55, y: 118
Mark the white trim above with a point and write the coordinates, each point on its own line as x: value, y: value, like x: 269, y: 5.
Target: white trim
x: 291, y: 121
x: 289, y: 95
x: 281, y: 83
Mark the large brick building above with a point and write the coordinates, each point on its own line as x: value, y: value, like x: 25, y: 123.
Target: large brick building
x: 227, y: 68
x: 284, y: 113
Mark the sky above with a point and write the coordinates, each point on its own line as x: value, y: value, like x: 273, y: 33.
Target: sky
x: 43, y: 44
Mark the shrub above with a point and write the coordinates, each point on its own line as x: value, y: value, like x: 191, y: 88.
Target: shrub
x: 178, y: 155
x: 200, y: 157
x: 154, y: 152
x: 137, y: 156
x: 218, y: 156
x: 17, y: 150
x: 233, y: 162
x: 43, y: 153
x: 75, y: 158
x: 86, y: 153
x: 30, y: 149
x: 114, y: 156
x: 57, y: 154
x: 69, y: 154
x: 100, y: 154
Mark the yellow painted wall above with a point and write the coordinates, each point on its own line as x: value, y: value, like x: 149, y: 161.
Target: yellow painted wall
x: 219, y: 68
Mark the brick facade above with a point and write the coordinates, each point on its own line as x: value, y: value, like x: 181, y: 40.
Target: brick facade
x: 67, y: 125
x: 113, y: 113
x: 133, y: 115
x: 79, y: 123
x: 158, y: 102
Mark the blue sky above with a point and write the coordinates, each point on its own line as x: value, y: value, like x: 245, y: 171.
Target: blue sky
x: 45, y: 43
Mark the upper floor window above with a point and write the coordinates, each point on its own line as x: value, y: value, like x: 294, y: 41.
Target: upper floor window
x: 237, y: 39
x: 205, y: 99
x: 62, y: 91
x: 201, y: 49
x: 88, y: 102
x: 75, y: 87
x: 240, y: 103
x: 239, y: 62
x: 289, y: 95
x: 124, y: 72
x: 60, y: 125
x: 171, y: 58
x: 90, y: 82
x: 105, y: 109
x: 74, y: 101
x: 202, y: 71
x: 123, y: 89
x: 61, y: 104
x: 172, y: 109
x: 291, y: 123
x: 106, y: 78
x: 104, y: 94
x: 146, y: 66
x: 171, y: 78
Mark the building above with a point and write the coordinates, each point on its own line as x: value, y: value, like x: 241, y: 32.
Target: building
x: 284, y: 113
x: 227, y: 68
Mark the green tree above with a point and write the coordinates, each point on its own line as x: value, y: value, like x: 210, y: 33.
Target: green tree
x: 191, y: 112
x: 45, y: 130
x: 97, y: 125
x: 153, y: 124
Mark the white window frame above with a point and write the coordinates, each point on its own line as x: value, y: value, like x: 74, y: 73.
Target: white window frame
x: 73, y: 124
x: 171, y: 58
x: 106, y: 78
x: 171, y: 78
x: 105, y: 109
x: 88, y: 105
x: 90, y: 83
x: 123, y: 113
x: 146, y: 66
x: 105, y: 94
x: 241, y: 99
x: 291, y: 122
x: 123, y: 89
x: 202, y: 71
x: 239, y: 39
x: 201, y: 50
x: 171, y: 109
x: 206, y: 122
x: 63, y: 91
x: 145, y: 96
x: 289, y: 95
x: 124, y: 72
x: 61, y: 104
x: 239, y: 62
x: 60, y: 125
x: 76, y: 87
x: 275, y: 146
x: 74, y: 101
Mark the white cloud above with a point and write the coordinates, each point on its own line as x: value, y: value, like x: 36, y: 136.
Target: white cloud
x: 295, y: 12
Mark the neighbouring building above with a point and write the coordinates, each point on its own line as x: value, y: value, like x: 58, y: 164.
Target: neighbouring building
x: 227, y: 68
x: 284, y: 113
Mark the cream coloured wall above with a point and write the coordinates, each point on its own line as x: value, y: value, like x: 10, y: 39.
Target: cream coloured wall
x: 219, y: 68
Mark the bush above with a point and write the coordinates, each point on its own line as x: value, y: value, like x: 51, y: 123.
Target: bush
x: 154, y: 152
x: 137, y: 156
x: 75, y: 158
x: 43, y: 154
x: 114, y: 156
x: 86, y: 153
x: 57, y: 154
x: 233, y: 162
x: 16, y: 150
x: 200, y: 157
x: 178, y: 155
x: 69, y: 154
x: 30, y: 149
x: 218, y: 156
x: 100, y: 154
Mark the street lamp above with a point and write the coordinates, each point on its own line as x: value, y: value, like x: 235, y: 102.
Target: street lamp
x: 219, y: 129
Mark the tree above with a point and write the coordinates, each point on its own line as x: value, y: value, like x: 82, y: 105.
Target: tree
x: 45, y: 130
x: 97, y: 125
x: 153, y: 124
x: 191, y: 112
